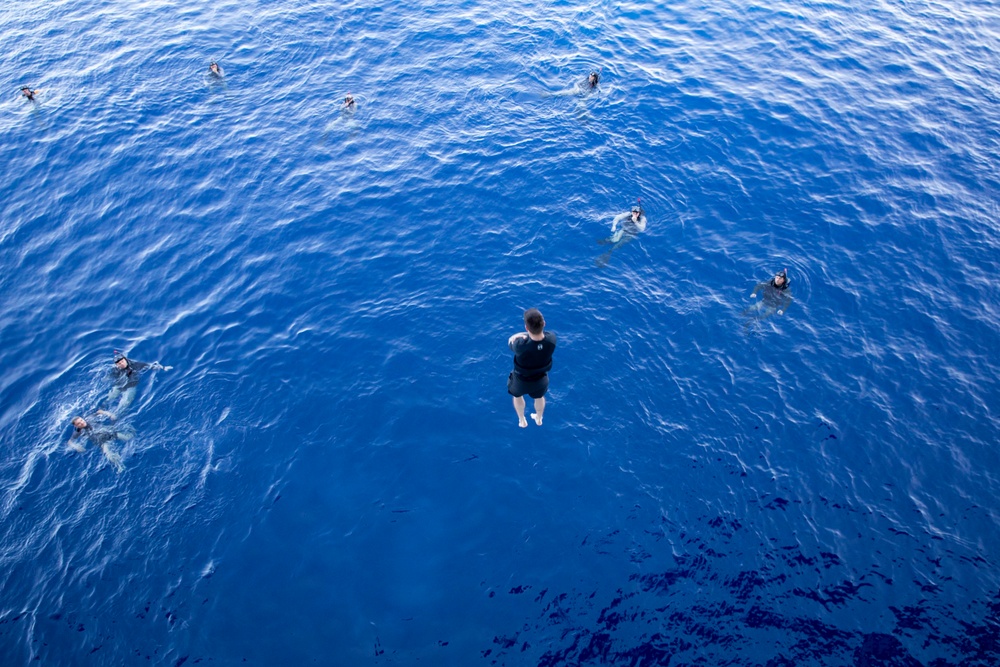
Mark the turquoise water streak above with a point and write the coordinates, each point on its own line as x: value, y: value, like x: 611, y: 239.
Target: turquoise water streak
x: 332, y: 472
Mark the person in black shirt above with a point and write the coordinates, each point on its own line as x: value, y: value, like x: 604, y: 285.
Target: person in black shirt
x: 125, y: 378
x: 775, y: 298
x: 532, y: 363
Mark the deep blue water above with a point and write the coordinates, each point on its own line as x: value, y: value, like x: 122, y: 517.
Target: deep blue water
x: 332, y: 472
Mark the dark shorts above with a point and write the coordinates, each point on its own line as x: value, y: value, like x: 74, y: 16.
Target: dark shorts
x: 518, y: 386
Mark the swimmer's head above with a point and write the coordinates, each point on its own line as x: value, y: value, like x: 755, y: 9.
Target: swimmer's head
x: 593, y: 79
x: 79, y: 422
x: 637, y: 212
x: 781, y: 278
x: 349, y: 100
x: 121, y: 362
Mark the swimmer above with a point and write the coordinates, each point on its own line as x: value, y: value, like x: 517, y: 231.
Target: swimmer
x: 349, y: 106
x: 775, y: 299
x: 532, y: 363
x: 125, y: 377
x: 102, y: 436
x: 632, y: 224
x: 589, y: 85
x: 581, y: 88
x: 29, y: 93
x: 215, y: 70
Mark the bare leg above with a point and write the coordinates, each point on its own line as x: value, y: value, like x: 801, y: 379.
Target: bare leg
x: 114, y: 394
x: 128, y: 396
x: 519, y: 409
x: 113, y: 458
x: 539, y: 410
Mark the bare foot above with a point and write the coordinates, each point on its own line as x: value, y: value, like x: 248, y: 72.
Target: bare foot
x: 522, y: 422
x: 537, y: 417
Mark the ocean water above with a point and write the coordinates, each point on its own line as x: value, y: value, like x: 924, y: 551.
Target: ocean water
x: 332, y: 472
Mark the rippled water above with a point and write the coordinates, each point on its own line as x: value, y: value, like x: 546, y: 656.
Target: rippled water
x: 332, y: 472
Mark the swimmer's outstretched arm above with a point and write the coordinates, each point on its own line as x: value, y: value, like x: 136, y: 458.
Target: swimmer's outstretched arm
x: 759, y: 287
x: 143, y: 366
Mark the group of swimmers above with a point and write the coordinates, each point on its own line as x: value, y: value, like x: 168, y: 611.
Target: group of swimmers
x: 97, y: 428
x: 214, y: 71
x: 532, y: 349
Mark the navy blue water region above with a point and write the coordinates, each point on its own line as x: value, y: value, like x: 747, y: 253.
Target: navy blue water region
x: 332, y: 472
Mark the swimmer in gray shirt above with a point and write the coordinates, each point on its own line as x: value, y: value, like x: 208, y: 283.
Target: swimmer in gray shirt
x: 624, y: 228
x: 100, y: 435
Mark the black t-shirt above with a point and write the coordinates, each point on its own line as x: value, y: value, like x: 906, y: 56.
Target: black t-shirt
x: 533, y: 358
x: 129, y: 377
x: 776, y: 297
